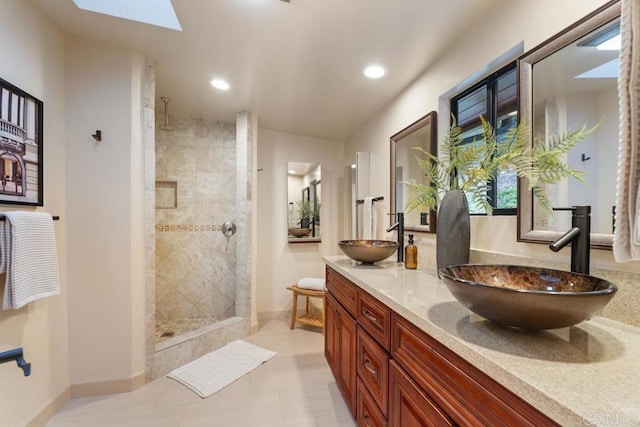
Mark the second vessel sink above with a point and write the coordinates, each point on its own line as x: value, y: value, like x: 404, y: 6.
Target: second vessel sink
x: 527, y: 297
x: 299, y: 232
x: 368, y: 251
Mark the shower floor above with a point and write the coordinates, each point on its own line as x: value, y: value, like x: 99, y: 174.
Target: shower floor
x: 167, y: 329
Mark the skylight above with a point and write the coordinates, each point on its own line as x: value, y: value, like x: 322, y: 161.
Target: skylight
x: 154, y: 12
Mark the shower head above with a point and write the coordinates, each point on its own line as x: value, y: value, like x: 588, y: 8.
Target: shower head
x: 166, y: 126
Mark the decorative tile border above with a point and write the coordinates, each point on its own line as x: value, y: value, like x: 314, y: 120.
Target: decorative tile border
x: 188, y: 227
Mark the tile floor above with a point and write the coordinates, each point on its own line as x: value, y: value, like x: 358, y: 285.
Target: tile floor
x: 295, y: 388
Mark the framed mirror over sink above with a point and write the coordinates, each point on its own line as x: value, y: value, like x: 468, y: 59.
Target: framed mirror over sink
x: 564, y: 83
x: 404, y: 168
x: 304, y: 181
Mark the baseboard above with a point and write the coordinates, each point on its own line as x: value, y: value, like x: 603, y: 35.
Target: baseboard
x: 108, y: 387
x: 50, y: 410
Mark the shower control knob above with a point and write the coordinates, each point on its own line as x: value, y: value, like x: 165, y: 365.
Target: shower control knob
x: 228, y: 228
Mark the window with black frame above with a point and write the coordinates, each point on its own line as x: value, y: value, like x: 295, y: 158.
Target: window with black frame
x: 495, y: 98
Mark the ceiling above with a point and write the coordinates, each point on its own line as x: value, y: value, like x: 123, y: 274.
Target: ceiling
x: 297, y: 65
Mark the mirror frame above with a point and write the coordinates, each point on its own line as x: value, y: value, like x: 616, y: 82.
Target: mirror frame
x: 596, y: 19
x: 430, y: 119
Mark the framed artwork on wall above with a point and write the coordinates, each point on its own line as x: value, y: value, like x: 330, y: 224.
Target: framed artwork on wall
x: 21, y: 153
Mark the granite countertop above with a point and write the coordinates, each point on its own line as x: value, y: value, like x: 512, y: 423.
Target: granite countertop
x: 588, y: 374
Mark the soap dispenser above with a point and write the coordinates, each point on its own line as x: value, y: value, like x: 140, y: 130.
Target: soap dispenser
x: 411, y: 255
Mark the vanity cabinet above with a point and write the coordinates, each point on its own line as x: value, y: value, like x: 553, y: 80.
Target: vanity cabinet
x: 467, y: 395
x: 393, y: 373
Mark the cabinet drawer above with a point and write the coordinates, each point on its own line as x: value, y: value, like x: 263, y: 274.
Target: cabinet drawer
x: 467, y: 395
x: 373, y: 369
x: 368, y: 413
x: 375, y: 318
x: 343, y: 290
x: 410, y: 407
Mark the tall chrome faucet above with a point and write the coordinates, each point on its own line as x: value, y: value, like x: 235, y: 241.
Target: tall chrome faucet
x: 399, y: 227
x: 579, y: 236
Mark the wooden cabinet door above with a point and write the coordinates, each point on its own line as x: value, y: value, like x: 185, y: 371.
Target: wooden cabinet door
x: 331, y: 333
x: 347, y: 358
x: 409, y: 406
x: 340, y: 349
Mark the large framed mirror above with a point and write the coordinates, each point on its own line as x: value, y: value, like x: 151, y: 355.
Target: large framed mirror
x: 404, y: 168
x: 567, y: 82
x: 304, y: 181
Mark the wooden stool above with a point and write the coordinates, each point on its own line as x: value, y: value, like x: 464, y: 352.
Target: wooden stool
x: 308, y: 318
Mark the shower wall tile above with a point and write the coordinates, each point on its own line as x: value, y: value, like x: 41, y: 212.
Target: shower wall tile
x: 229, y: 133
x: 208, y: 158
x: 149, y: 141
x: 209, y: 129
x: 149, y: 84
x: 192, y: 265
x: 182, y: 126
x: 209, y: 185
x: 171, y: 358
x: 181, y: 158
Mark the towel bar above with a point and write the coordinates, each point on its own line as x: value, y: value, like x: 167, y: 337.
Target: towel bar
x: 17, y: 355
x: 375, y: 199
x: 54, y: 217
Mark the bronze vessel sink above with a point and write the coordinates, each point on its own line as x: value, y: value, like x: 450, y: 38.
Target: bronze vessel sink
x: 368, y: 251
x: 527, y: 297
x: 299, y: 232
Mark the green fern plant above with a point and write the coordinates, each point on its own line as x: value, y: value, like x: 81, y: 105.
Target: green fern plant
x: 470, y: 168
x: 306, y: 209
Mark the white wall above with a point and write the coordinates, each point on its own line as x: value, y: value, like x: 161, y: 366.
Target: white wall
x: 104, y: 201
x: 33, y: 60
x: 280, y: 263
x: 503, y: 27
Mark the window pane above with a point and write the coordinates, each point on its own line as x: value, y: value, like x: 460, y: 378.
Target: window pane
x: 507, y: 118
x: 470, y: 108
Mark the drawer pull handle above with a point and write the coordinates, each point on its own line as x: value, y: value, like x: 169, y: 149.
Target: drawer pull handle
x: 369, y: 367
x: 369, y: 315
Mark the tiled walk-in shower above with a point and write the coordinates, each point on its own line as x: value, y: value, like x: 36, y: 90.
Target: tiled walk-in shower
x: 202, y: 281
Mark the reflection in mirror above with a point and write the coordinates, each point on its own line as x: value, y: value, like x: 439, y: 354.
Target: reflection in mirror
x: 304, y: 196
x: 405, y: 168
x: 568, y: 82
x: 358, y: 188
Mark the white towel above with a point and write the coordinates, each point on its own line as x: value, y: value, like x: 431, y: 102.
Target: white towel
x: 626, y: 241
x: 29, y: 257
x: 216, y: 370
x: 368, y: 219
x: 312, y: 283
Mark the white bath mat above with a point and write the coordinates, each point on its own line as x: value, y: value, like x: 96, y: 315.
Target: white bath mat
x: 216, y: 370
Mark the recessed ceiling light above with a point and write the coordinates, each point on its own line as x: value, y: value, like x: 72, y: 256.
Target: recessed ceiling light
x: 375, y: 71
x: 220, y: 84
